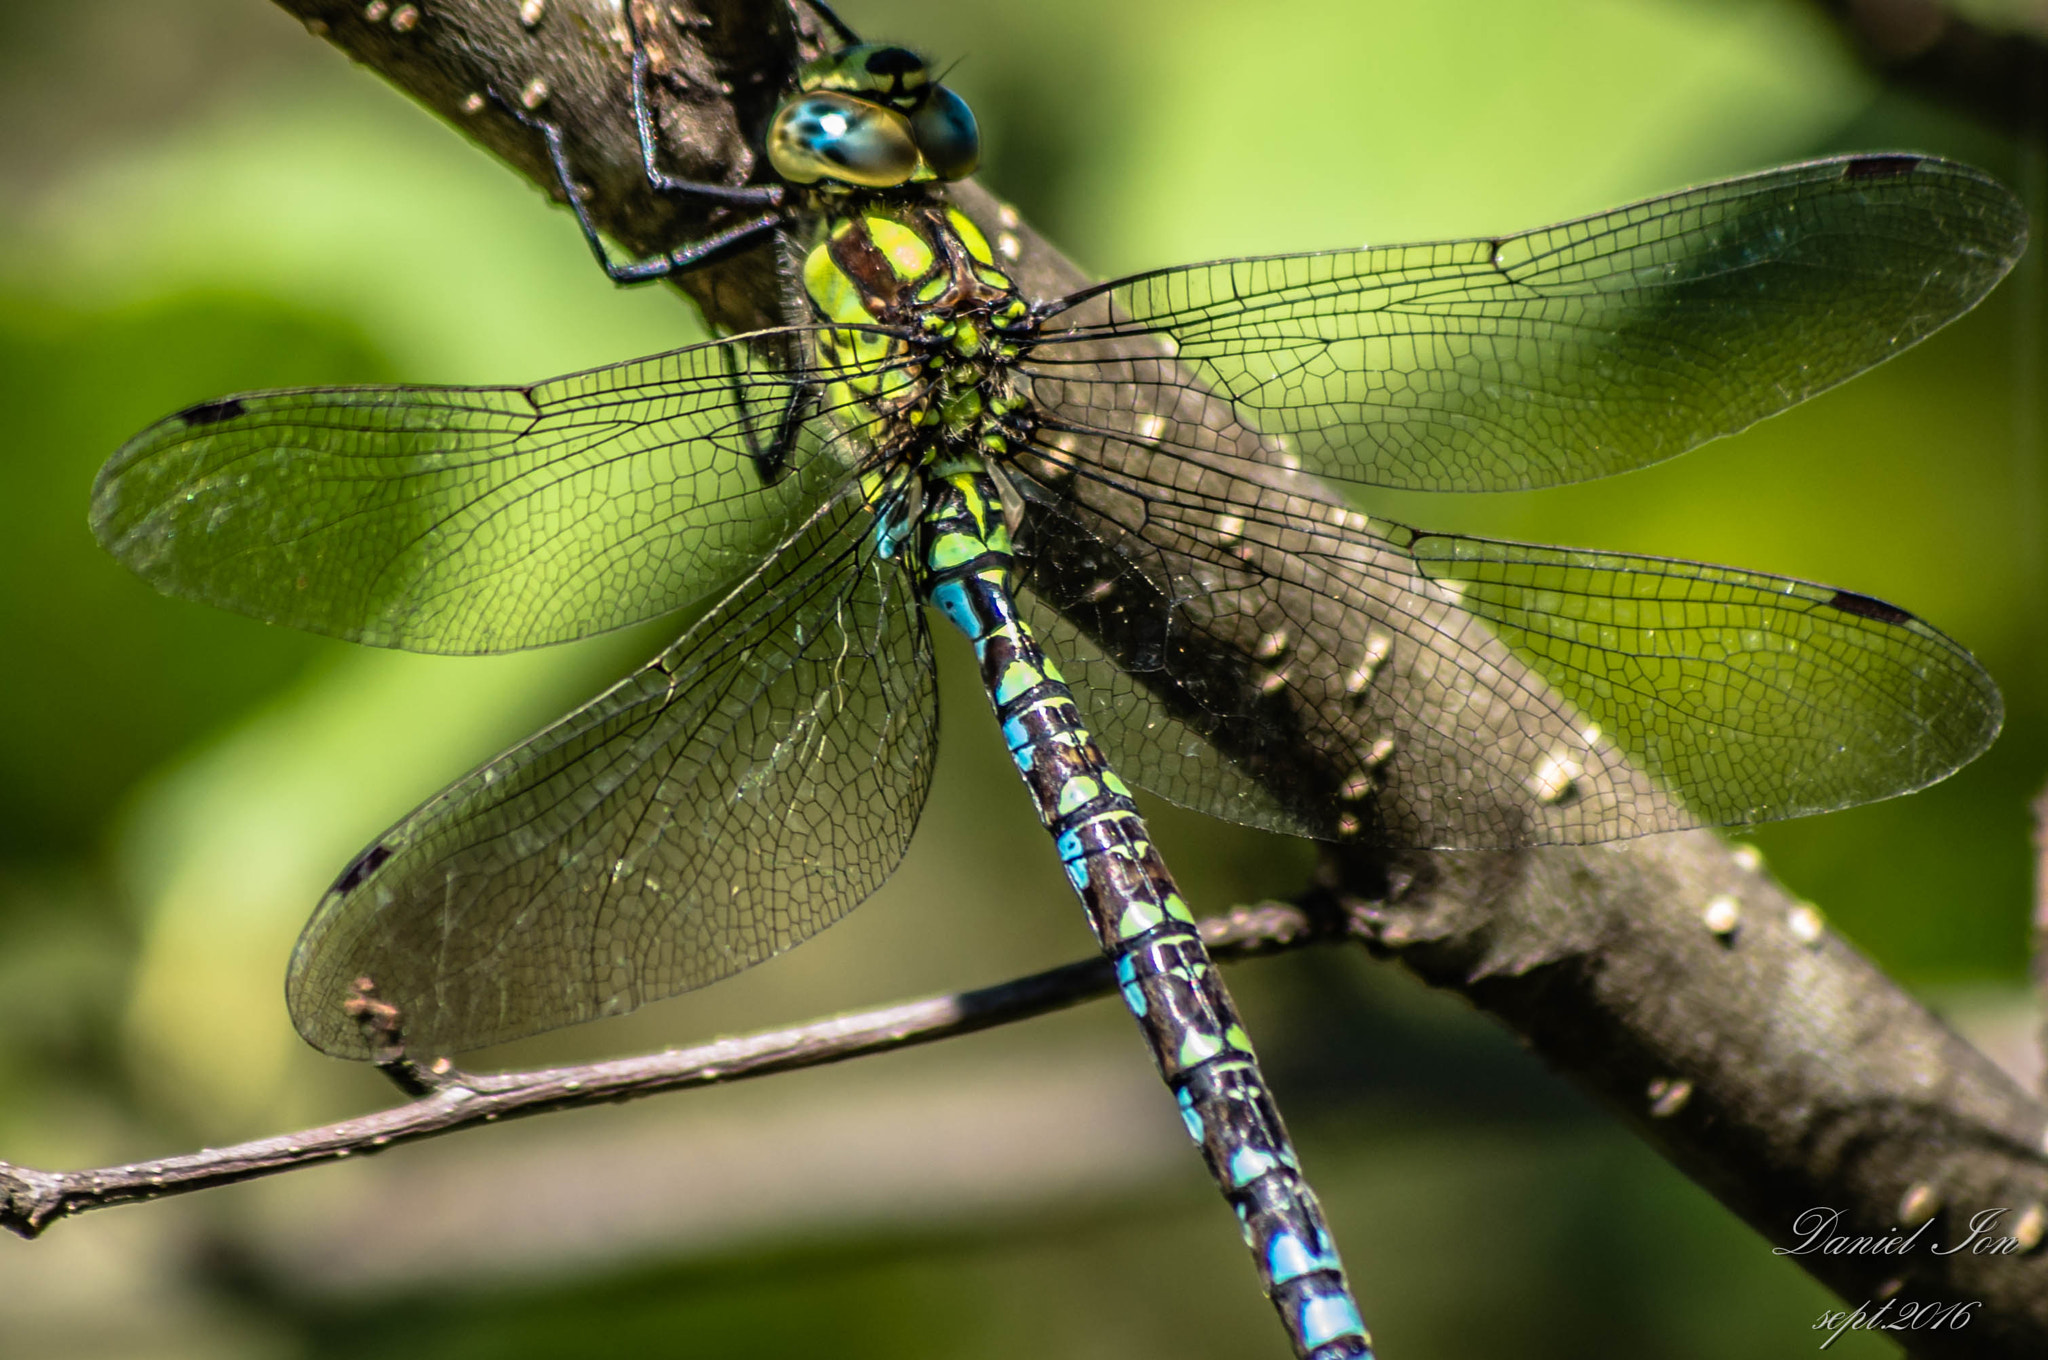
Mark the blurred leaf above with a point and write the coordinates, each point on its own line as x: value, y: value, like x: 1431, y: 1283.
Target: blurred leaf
x: 117, y: 679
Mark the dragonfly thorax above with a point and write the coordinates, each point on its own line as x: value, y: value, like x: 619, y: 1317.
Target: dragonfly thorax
x: 921, y: 333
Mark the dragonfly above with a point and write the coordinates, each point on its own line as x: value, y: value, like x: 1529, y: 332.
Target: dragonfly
x: 1122, y: 486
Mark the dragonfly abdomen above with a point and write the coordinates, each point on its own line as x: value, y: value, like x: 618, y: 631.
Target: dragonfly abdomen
x: 1140, y: 919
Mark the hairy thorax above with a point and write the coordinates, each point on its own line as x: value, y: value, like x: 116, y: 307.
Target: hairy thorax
x: 914, y: 365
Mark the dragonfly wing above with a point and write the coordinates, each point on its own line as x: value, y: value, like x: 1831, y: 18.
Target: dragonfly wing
x: 1153, y: 688
x: 1755, y: 697
x: 451, y: 519
x: 733, y: 797
x: 1561, y: 354
x: 1434, y: 691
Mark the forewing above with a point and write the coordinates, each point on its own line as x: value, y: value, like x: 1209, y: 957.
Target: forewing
x: 1556, y: 355
x: 479, y: 519
x: 736, y: 795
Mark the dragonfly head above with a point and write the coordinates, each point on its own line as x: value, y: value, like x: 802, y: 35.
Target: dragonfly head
x: 871, y: 116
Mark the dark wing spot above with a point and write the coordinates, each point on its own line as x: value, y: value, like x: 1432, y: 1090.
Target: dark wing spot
x: 361, y: 868
x: 212, y: 412
x: 1881, y: 167
x: 1865, y: 607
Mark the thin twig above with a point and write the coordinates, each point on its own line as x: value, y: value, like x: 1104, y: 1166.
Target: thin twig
x: 31, y: 1200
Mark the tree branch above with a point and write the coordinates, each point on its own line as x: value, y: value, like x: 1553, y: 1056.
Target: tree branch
x: 2039, y: 953
x: 1712, y: 1010
x: 1999, y: 77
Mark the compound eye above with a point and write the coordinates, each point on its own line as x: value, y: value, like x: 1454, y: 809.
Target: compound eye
x: 827, y: 135
x: 946, y: 134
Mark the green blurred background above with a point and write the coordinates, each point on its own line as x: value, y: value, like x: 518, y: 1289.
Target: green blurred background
x: 196, y: 198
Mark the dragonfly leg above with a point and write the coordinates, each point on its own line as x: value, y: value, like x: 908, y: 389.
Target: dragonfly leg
x: 767, y: 195
x: 772, y: 460
x: 824, y: 11
x: 633, y: 271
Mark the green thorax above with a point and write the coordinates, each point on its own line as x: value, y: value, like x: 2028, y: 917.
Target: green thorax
x: 922, y: 329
